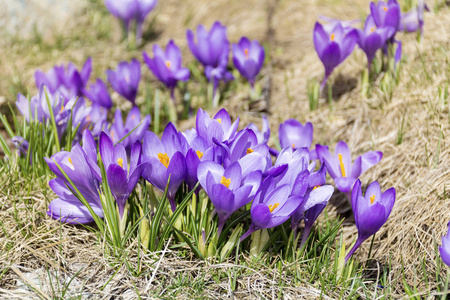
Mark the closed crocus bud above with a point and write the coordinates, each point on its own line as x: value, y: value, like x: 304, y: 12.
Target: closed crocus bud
x: 333, y: 45
x: 248, y: 58
x: 371, y: 211
x: 125, y: 79
x: 413, y: 20
x: 98, y: 93
x: 445, y: 248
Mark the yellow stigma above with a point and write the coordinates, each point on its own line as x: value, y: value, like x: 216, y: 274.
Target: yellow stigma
x: 246, y: 53
x: 250, y: 150
x: 132, y: 117
x: 70, y: 160
x: 120, y: 162
x: 372, y: 199
x: 88, y: 118
x: 199, y: 154
x: 62, y: 108
x: 164, y: 159
x: 219, y: 120
x: 341, y: 164
x: 272, y: 207
x: 293, y: 146
x: 385, y: 8
x: 332, y: 37
x: 372, y: 29
x: 225, y: 181
x: 317, y: 186
x: 168, y: 64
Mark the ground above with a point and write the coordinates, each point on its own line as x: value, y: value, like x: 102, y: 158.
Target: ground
x: 410, y: 128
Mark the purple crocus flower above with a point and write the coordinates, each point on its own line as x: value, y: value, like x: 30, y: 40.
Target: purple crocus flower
x: 80, y: 165
x: 371, y: 211
x: 227, y: 188
x: 125, y: 79
x: 21, y: 145
x: 167, y: 160
x: 340, y: 165
x: 122, y: 174
x: 413, y: 20
x: 333, y: 45
x: 386, y: 14
x: 272, y: 206
x: 294, y: 134
x: 248, y: 58
x: 198, y: 151
x: 98, y: 93
x: 124, y: 10
x: 371, y: 39
x: 264, y: 135
x: 444, y: 250
x: 31, y: 110
x: 134, y: 122
x: 166, y: 65
x: 218, y: 128
x: 211, y: 50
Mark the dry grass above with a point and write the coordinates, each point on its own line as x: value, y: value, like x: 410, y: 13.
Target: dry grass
x: 417, y: 168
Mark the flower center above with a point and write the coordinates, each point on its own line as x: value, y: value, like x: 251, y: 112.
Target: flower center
x: 272, y: 207
x: 70, y: 160
x: 317, y: 186
x: 250, y: 150
x: 219, y: 120
x: 332, y: 36
x: 62, y: 108
x: 225, y: 181
x: 168, y: 63
x: 385, y: 8
x: 88, y: 118
x: 246, y: 52
x: 372, y: 199
x: 341, y: 164
x: 293, y: 146
x: 164, y: 159
x: 120, y: 162
x: 199, y: 154
x: 372, y: 29
x: 133, y: 116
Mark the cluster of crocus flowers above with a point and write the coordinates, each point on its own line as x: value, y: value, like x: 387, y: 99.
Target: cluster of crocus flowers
x: 335, y: 41
x: 131, y: 10
x: 234, y: 168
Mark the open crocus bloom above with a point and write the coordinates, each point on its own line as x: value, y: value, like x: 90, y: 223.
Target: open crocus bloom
x: 167, y: 160
x: 372, y: 38
x: 248, y: 58
x: 386, y: 14
x: 167, y: 65
x: 272, y: 206
x: 262, y: 136
x: 333, y: 45
x: 218, y: 128
x: 122, y: 174
x: 444, y: 250
x: 227, y: 188
x: 371, y: 211
x: 125, y: 79
x: 340, y: 165
x: 413, y: 20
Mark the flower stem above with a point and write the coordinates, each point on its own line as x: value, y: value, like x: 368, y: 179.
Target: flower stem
x: 358, y: 243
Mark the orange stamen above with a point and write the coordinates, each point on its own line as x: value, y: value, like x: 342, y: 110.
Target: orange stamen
x: 250, y: 150
x: 226, y: 181
x: 246, y: 53
x: 317, y: 186
x: 385, y: 8
x: 332, y: 36
x: 341, y: 164
x: 372, y: 199
x: 120, y: 162
x: 164, y: 159
x: 168, y: 63
x: 70, y: 160
x: 219, y: 120
x: 199, y: 154
x: 272, y: 207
